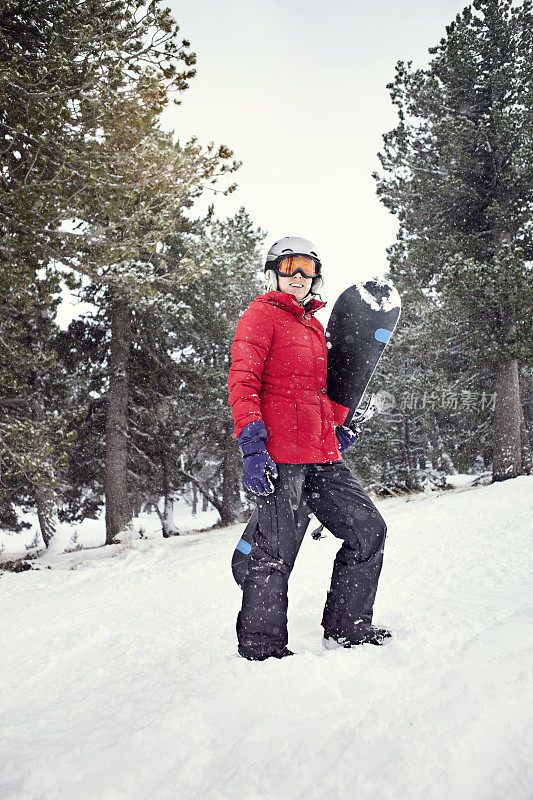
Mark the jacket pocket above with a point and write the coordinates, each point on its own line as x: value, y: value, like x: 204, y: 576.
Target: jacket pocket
x: 309, y: 423
x: 279, y: 416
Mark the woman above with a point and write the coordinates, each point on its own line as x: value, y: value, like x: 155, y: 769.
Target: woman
x: 291, y: 437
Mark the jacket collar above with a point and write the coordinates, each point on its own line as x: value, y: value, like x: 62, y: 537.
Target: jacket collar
x: 290, y: 303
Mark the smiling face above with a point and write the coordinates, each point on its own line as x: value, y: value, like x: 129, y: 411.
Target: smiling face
x: 296, y: 285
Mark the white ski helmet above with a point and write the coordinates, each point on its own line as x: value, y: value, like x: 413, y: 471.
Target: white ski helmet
x: 291, y: 245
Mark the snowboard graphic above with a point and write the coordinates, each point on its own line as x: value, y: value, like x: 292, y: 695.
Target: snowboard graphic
x: 361, y: 323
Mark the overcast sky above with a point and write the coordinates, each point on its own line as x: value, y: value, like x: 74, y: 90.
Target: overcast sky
x: 297, y: 88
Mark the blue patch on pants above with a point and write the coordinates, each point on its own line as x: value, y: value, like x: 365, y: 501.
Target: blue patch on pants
x: 382, y: 335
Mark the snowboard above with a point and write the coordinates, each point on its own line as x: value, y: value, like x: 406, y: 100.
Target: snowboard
x: 361, y: 323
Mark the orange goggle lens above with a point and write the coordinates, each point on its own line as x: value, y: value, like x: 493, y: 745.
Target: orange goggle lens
x: 288, y: 265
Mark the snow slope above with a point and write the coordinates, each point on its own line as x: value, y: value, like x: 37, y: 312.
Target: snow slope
x: 120, y: 679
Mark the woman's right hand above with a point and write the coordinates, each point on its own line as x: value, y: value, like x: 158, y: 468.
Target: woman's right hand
x: 258, y: 469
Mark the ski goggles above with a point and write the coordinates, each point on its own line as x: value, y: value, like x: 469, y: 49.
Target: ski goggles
x: 287, y: 266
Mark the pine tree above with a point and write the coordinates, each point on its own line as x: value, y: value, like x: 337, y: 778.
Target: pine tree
x: 459, y: 176
x: 178, y: 425
x: 64, y: 67
x: 36, y: 413
x: 187, y: 420
x: 82, y: 89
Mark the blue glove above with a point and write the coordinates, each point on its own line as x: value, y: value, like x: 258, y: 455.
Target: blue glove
x: 345, y: 437
x: 257, y: 465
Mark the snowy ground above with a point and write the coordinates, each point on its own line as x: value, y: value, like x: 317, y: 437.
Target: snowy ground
x: 91, y: 532
x: 120, y: 679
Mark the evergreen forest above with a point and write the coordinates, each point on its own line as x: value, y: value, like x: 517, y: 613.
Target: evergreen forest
x: 125, y: 409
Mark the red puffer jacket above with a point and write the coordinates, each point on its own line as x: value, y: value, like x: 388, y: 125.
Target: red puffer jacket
x: 278, y: 374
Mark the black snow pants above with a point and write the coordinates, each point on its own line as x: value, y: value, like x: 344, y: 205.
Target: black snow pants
x: 338, y: 501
